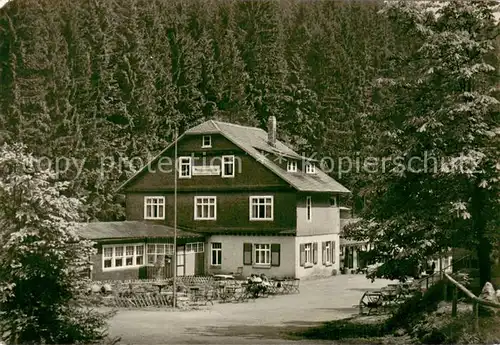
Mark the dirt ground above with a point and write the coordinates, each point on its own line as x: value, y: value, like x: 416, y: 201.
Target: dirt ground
x: 263, y: 321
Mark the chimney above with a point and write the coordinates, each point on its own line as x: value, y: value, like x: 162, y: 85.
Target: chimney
x: 271, y: 130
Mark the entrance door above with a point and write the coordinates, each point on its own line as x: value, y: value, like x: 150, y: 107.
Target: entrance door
x: 181, y: 262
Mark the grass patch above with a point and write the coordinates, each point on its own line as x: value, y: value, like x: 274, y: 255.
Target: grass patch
x: 343, y: 329
x: 443, y: 329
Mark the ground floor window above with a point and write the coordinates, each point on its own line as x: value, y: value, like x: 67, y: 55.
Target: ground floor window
x: 262, y: 254
x: 308, y: 253
x: 328, y: 252
x: 123, y: 255
x: 157, y: 251
x: 196, y: 247
x: 216, y: 254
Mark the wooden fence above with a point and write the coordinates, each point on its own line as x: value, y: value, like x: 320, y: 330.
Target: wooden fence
x: 476, y: 301
x: 142, y: 300
x: 186, y: 280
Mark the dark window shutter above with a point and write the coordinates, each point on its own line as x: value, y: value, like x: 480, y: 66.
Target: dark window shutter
x: 275, y: 254
x: 302, y: 255
x: 247, y: 253
x: 315, y: 253
x: 323, y: 252
x: 333, y: 252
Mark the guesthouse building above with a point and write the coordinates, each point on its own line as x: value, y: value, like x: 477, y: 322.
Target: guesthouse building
x: 246, y: 204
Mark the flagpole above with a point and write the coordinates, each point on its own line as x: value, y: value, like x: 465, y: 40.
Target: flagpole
x: 174, y: 282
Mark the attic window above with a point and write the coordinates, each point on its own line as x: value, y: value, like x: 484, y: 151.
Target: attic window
x: 333, y: 201
x: 291, y: 166
x: 310, y: 168
x: 206, y: 141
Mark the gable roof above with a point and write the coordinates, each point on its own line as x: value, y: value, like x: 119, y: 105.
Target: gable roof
x: 254, y: 142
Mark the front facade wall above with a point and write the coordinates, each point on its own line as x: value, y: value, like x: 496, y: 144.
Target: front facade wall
x: 317, y: 268
x: 325, y: 219
x: 232, y: 211
x: 233, y: 255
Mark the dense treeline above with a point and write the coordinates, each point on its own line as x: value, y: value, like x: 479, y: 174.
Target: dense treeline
x: 93, y: 78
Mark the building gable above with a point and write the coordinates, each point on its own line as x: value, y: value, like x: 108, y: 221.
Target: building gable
x: 254, y: 142
x: 159, y: 175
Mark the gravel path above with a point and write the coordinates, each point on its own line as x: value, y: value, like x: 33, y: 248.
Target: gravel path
x: 262, y: 321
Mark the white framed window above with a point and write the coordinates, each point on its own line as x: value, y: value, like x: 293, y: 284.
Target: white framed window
x: 122, y: 256
x: 227, y: 166
x: 195, y: 247
x: 205, y: 208
x: 262, y: 254
x: 216, y: 257
x: 328, y: 252
x: 308, y: 253
x: 310, y: 168
x: 333, y: 201
x: 156, y: 252
x: 309, y: 208
x: 154, y: 207
x: 291, y: 166
x: 185, y: 164
x: 206, y: 141
x: 261, y: 207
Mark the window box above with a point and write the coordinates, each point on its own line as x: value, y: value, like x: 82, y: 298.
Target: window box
x: 154, y: 207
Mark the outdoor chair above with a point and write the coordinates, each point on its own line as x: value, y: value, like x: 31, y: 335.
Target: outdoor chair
x: 371, y: 302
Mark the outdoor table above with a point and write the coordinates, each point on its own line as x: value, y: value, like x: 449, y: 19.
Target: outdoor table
x: 223, y: 277
x: 160, y: 286
x: 195, y: 292
x: 389, y: 293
